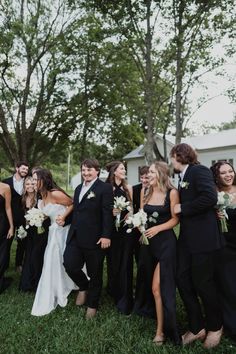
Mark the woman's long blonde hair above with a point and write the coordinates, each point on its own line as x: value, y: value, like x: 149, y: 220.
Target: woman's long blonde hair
x: 163, y: 179
x: 25, y: 195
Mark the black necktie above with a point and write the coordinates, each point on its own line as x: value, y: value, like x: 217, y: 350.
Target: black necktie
x: 179, y: 182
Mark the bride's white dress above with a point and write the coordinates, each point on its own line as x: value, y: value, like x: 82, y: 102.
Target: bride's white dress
x: 54, y: 285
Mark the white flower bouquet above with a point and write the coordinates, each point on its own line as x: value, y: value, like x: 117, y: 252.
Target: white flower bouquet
x: 224, y: 201
x: 35, y: 217
x: 138, y: 220
x: 121, y: 204
x: 21, y: 232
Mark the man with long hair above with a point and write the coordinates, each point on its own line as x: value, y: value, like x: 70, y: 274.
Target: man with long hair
x: 199, y: 247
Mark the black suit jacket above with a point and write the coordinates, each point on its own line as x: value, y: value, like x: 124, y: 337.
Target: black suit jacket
x: 136, y: 197
x: 16, y: 205
x: 92, y: 217
x: 199, y: 229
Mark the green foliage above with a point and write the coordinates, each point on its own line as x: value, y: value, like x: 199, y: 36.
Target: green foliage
x: 65, y: 330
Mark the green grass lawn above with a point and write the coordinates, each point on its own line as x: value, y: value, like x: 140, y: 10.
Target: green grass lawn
x: 65, y: 330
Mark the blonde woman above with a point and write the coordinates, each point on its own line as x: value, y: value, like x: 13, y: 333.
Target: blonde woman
x: 35, y: 243
x: 6, y: 233
x: 158, y: 203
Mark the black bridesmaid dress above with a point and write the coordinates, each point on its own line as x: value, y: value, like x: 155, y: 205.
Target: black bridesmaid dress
x: 161, y: 249
x: 5, y: 245
x: 120, y: 263
x: 227, y: 275
x: 34, y: 254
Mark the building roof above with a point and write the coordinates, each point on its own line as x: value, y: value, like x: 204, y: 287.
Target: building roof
x: 134, y: 154
x: 221, y: 139
x: 224, y: 138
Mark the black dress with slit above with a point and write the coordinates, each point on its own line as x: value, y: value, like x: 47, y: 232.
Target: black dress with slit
x: 162, y: 250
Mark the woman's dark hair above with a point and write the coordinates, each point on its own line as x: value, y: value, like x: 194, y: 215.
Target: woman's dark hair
x: 184, y: 154
x: 46, y: 182
x: 215, y: 169
x: 111, y: 167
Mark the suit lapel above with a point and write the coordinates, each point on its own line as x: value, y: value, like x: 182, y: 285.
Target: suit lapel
x: 91, y: 189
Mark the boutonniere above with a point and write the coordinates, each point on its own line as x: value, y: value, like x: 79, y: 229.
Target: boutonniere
x: 184, y: 185
x: 91, y: 195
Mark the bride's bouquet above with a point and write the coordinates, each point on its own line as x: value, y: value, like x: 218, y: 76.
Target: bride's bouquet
x: 121, y: 204
x: 35, y: 217
x: 138, y: 220
x: 224, y: 201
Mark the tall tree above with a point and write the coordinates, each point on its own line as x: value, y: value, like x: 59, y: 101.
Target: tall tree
x: 33, y: 64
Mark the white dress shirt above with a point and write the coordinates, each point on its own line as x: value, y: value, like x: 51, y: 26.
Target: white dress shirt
x: 18, y: 185
x: 181, y: 175
x: 85, y: 189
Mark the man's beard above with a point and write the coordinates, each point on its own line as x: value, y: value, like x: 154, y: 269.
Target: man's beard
x: 22, y: 174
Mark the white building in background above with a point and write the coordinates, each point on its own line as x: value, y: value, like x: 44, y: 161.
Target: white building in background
x: 76, y: 179
x: 210, y: 148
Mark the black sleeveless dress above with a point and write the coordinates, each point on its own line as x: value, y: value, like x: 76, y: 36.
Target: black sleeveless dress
x: 161, y: 249
x: 34, y: 254
x: 5, y: 243
x: 120, y: 263
x: 227, y: 275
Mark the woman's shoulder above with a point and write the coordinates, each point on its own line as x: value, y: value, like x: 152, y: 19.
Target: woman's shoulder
x: 5, y: 187
x: 58, y: 196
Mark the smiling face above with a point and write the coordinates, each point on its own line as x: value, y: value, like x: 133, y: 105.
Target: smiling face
x: 29, y: 185
x: 22, y: 171
x: 144, y: 180
x: 120, y: 172
x: 88, y: 173
x: 36, y: 182
x: 226, y: 175
x: 153, y: 176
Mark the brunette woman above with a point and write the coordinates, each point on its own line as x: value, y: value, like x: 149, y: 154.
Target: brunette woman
x: 224, y: 176
x: 120, y: 254
x: 54, y: 284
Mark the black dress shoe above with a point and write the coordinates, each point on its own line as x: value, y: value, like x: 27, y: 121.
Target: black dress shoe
x: 6, y: 282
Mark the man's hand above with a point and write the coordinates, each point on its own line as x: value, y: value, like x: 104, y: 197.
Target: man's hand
x: 105, y: 242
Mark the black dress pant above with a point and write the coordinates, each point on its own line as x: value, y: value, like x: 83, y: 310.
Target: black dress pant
x: 74, y: 259
x: 196, y: 277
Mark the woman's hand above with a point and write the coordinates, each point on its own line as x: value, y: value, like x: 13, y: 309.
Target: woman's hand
x: 220, y: 214
x: 153, y: 231
x: 10, y: 233
x: 60, y: 220
x: 116, y: 211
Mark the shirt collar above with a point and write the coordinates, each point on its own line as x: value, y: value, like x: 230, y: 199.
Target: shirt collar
x: 90, y: 183
x: 183, y: 172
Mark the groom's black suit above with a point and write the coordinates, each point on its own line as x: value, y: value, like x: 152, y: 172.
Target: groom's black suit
x: 18, y: 220
x: 199, y: 245
x: 92, y: 219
